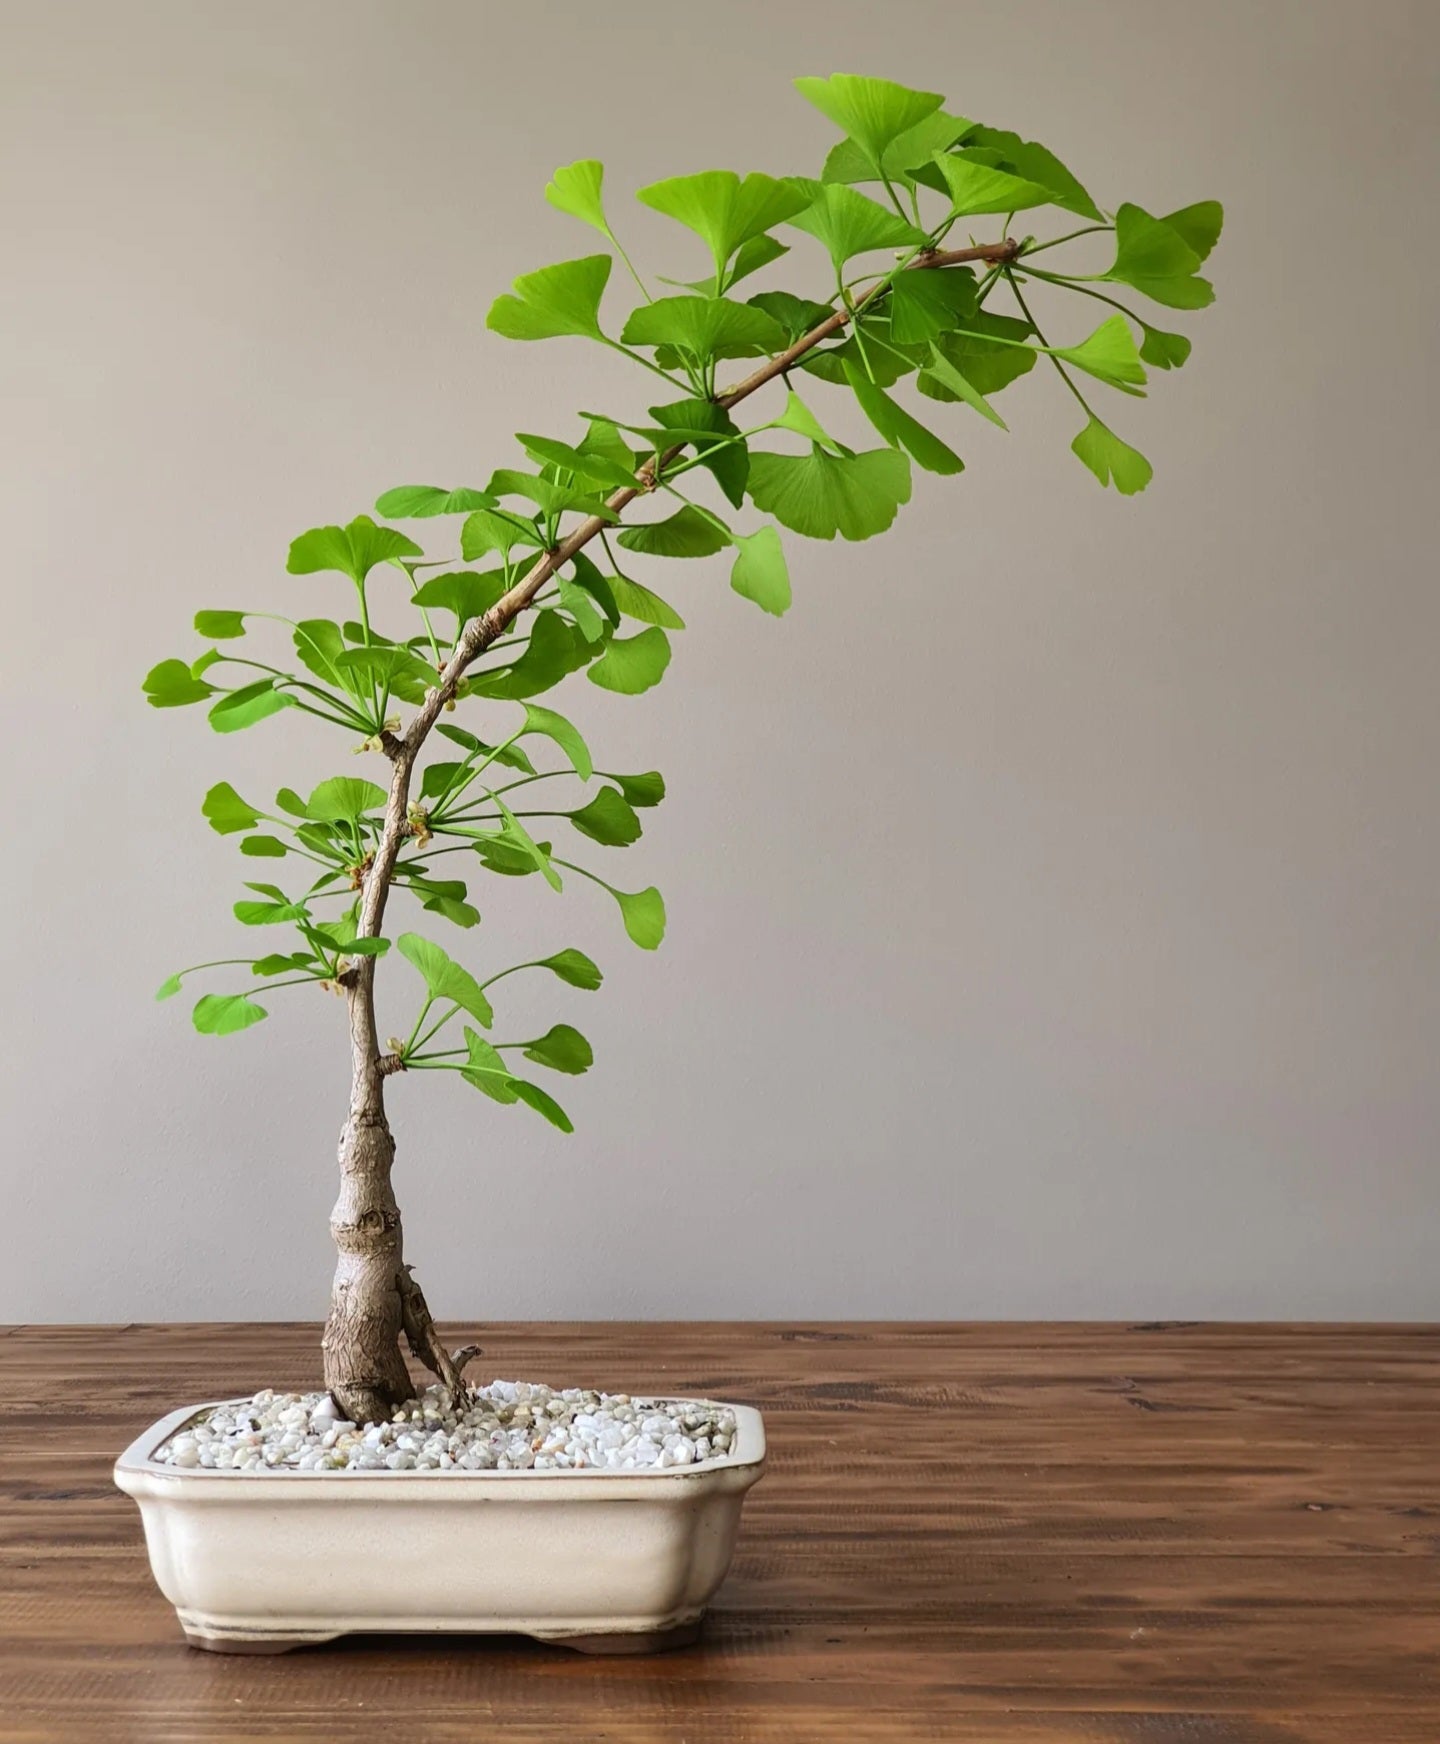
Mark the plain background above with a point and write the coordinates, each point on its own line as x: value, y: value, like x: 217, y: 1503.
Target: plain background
x: 1053, y: 919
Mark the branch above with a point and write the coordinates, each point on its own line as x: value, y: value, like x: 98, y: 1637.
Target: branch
x: 481, y: 632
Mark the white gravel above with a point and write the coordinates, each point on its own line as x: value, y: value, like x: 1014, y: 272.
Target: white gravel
x: 510, y: 1426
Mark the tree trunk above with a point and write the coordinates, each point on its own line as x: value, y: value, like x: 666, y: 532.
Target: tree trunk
x: 365, y: 1370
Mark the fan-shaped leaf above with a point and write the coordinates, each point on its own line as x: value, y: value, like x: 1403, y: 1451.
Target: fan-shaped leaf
x: 554, y: 726
x: 577, y: 188
x: 171, y: 684
x: 574, y: 968
x: 556, y: 300
x: 898, y: 428
x: 608, y: 819
x: 873, y: 112
x: 563, y: 1049
x: 976, y: 187
x: 417, y: 501
x: 632, y: 664
x: 820, y: 494
x: 705, y: 327
x: 760, y: 573
x: 1109, y: 355
x: 353, y: 550
x: 244, y: 707
x: 686, y: 533
x: 226, y: 811
x: 724, y: 211
x: 226, y: 1013
x: 444, y: 977
x: 850, y: 223
x: 344, y: 799
x: 1112, y: 460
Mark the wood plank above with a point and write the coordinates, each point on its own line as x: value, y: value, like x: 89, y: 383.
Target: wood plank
x: 1147, y: 1534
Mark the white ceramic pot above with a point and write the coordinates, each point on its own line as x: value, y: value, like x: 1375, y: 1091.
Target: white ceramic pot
x: 606, y: 1561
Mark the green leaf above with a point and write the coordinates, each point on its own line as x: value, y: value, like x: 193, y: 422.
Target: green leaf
x: 573, y: 967
x: 873, y: 348
x: 705, y: 327
x: 318, y: 643
x: 515, y: 835
x: 287, y: 799
x: 975, y: 187
x: 850, y: 223
x: 608, y: 819
x: 563, y: 1049
x: 760, y: 573
x: 1109, y: 355
x: 929, y: 301
x: 170, y: 986
x: 1110, y: 459
x: 898, y: 428
x: 244, y: 707
x: 989, y: 352
x: 577, y: 189
x: 542, y: 1102
x: 1162, y: 350
x: 797, y: 315
x: 172, y: 685
x: 1032, y: 162
x: 751, y: 256
x: 354, y: 550
x: 264, y: 847
x: 638, y: 602
x: 416, y: 501
x: 462, y: 592
x: 285, y: 963
x: 495, y: 530
x: 579, y: 603
x: 873, y: 112
x: 344, y: 799
x: 485, y: 1070
x: 909, y: 152
x: 631, y: 665
x: 367, y: 947
x: 597, y: 469
x: 395, y: 669
x: 722, y: 210
x: 226, y: 1013
x: 820, y: 494
x: 556, y: 300
x: 1156, y: 259
x: 220, y: 626
x: 552, y: 497
x: 641, y: 790
x: 1198, y: 226
x: 643, y: 914
x: 270, y: 913
x: 511, y: 755
x: 957, y: 386
x: 444, y: 978
x: 798, y: 417
x: 702, y: 424
x: 689, y: 532
x: 554, y: 726
x: 226, y: 811
x: 554, y: 649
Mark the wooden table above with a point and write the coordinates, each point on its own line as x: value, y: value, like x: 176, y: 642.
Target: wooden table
x: 1152, y: 1534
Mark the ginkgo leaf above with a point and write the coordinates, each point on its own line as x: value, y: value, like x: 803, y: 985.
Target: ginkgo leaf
x: 226, y: 1013
x: 849, y: 223
x: 705, y: 327
x: 724, y: 211
x: 1199, y: 225
x: 956, y: 385
x: 495, y: 530
x: 689, y: 532
x: 577, y: 189
x: 1162, y: 350
x: 1157, y: 260
x: 171, y: 684
x: 574, y: 968
x: 542, y: 1102
x: 912, y: 150
x: 821, y: 494
x: 463, y: 592
x: 417, y: 501
x: 1109, y: 355
x: 873, y: 112
x: 344, y: 799
x: 251, y: 703
x: 760, y: 573
x: 563, y: 1049
x: 445, y: 978
x: 630, y: 665
x: 554, y: 726
x: 1111, y: 460
x: 220, y: 626
x: 1032, y: 162
x: 555, y: 301
x: 226, y: 812
x: 930, y: 301
x: 609, y: 819
x: 898, y: 428
x: 353, y: 550
x: 975, y: 187
x: 594, y: 468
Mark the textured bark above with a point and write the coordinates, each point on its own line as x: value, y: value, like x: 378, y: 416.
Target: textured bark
x: 375, y: 1300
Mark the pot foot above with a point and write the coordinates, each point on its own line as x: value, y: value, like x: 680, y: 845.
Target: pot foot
x: 631, y: 1641
x: 256, y: 1642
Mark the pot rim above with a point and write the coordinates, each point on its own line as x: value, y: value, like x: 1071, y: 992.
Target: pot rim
x: 138, y: 1473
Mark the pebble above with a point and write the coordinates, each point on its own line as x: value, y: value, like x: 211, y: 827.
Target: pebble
x: 507, y: 1426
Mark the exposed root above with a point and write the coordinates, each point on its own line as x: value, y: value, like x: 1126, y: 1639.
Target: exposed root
x: 424, y: 1342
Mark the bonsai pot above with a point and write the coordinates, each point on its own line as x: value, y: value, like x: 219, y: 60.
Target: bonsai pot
x: 604, y: 1560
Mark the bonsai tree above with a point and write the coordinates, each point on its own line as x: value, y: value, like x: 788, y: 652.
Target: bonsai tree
x: 431, y: 665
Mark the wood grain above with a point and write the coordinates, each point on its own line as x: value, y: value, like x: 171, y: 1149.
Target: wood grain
x: 1074, y: 1534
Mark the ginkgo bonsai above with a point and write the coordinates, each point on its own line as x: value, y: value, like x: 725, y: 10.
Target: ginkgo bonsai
x: 541, y: 587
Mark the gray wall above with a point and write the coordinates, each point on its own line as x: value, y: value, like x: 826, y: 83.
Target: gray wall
x: 1052, y: 893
